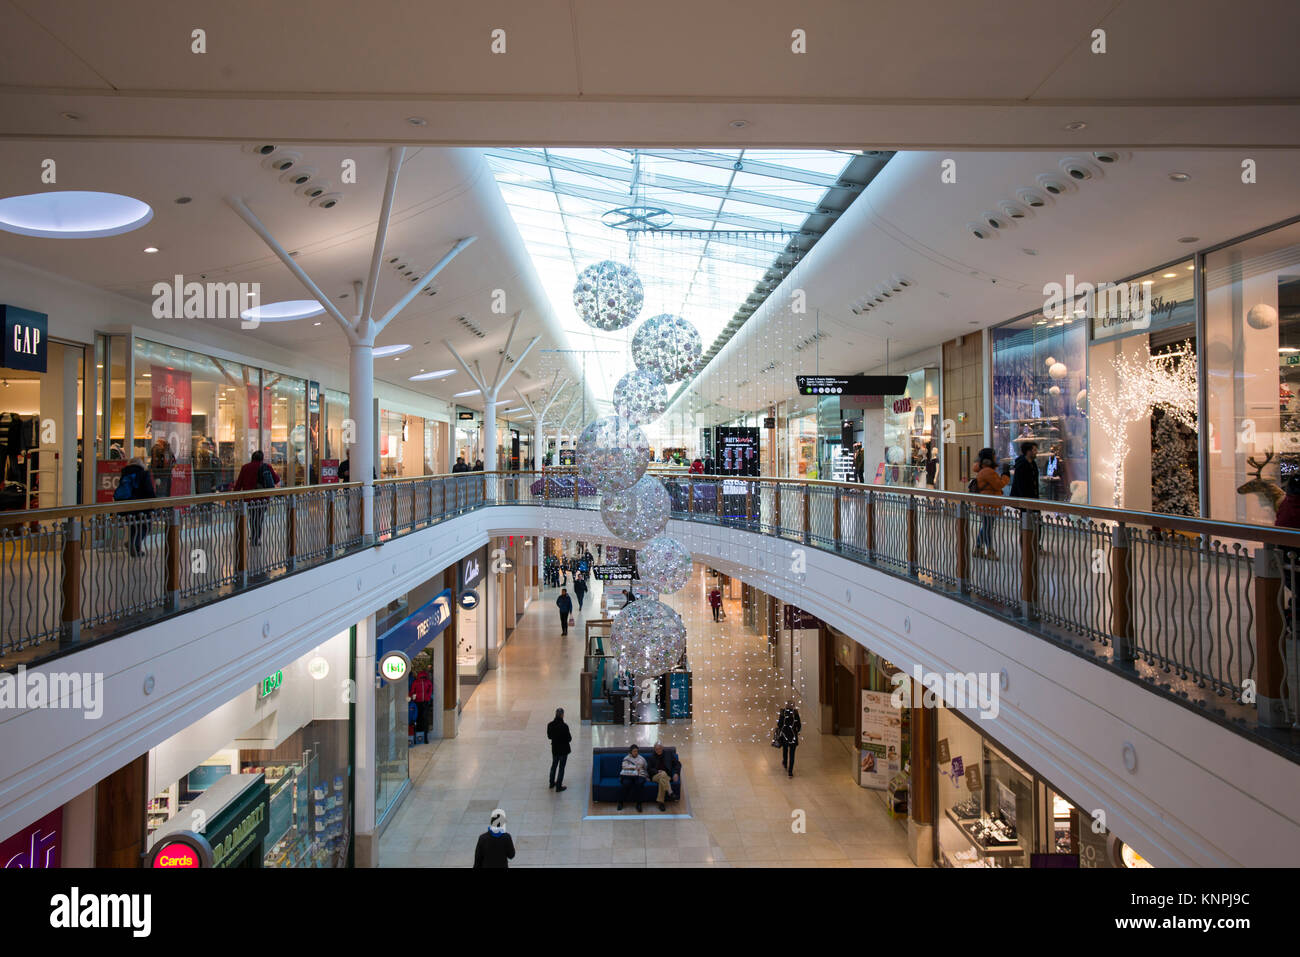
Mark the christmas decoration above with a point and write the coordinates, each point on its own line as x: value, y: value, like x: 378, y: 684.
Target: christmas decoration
x: 667, y: 346
x: 664, y: 564
x: 612, y: 453
x: 1261, y: 316
x: 648, y: 638
x: 638, y: 513
x: 1173, y: 490
x: 1057, y: 370
x: 640, y: 397
x: 608, y: 295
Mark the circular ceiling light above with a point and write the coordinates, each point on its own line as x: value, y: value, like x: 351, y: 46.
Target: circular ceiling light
x: 425, y: 376
x: 1188, y: 240
x: 1180, y: 177
x: 151, y: 249
x: 73, y: 214
x: 1076, y: 126
x: 383, y: 352
x: 286, y: 311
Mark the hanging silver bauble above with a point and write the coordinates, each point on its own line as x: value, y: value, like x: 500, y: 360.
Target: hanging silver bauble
x: 664, y: 564
x: 639, y: 513
x: 647, y: 637
x: 667, y: 346
x: 640, y: 397
x: 608, y: 295
x: 612, y: 453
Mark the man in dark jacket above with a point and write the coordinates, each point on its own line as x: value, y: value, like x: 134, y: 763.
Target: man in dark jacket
x: 560, y: 737
x: 663, y: 768
x: 135, y: 483
x: 460, y: 465
x: 255, y: 474
x: 1024, y: 480
x: 565, y: 604
x: 788, y: 727
x: 495, y: 846
x: 580, y: 587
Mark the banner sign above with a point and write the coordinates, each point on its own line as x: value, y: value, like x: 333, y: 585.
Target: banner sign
x: 882, y: 740
x: 170, y: 415
x: 851, y: 384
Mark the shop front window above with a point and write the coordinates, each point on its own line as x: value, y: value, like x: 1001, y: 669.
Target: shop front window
x: 333, y: 415
x: 1039, y: 396
x: 41, y: 468
x: 196, y: 418
x: 1252, y: 350
x: 910, y: 432
x: 285, y: 422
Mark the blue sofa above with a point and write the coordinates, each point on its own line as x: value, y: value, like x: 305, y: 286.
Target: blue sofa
x: 605, y: 784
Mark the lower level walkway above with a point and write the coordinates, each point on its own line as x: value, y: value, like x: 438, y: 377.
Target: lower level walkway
x: 742, y: 803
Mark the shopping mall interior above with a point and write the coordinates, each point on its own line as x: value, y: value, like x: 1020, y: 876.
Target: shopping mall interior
x: 862, y: 436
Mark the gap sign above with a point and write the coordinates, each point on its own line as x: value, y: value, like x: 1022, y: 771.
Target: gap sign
x: 26, y: 344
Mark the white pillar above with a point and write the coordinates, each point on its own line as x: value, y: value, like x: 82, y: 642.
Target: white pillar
x: 361, y: 409
x: 489, y: 432
x: 363, y: 769
x: 539, y: 445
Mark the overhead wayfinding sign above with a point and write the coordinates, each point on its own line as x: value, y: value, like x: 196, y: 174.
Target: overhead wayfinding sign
x: 851, y: 384
x: 614, y: 573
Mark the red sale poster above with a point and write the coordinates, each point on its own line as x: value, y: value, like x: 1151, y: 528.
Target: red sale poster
x: 171, y: 413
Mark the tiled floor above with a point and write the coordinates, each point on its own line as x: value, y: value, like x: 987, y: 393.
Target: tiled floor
x: 744, y: 806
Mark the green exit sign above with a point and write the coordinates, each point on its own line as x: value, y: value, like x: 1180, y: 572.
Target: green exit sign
x: 271, y: 682
x: 1293, y: 360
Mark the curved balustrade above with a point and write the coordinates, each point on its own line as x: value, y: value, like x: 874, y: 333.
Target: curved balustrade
x: 1203, y: 609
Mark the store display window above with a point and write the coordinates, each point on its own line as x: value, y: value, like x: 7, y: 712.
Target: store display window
x: 1252, y: 351
x: 911, y: 431
x: 401, y: 445
x: 196, y: 419
x: 40, y: 468
x: 1040, y: 395
x: 284, y: 426
x: 801, y: 453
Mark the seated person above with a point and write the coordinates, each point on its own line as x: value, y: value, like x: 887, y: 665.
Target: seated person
x: 663, y: 768
x: 631, y: 775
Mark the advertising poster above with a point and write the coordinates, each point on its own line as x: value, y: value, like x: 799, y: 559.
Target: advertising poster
x: 170, y: 419
x: 107, y: 474
x: 882, y: 740
x: 329, y: 471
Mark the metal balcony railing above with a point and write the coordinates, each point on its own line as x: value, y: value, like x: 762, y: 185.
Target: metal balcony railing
x: 1204, y: 611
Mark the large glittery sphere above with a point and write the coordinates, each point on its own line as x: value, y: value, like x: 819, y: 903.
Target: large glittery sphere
x: 647, y: 637
x: 667, y: 346
x: 612, y: 453
x: 639, y: 513
x: 664, y: 564
x: 608, y: 295
x: 640, y: 397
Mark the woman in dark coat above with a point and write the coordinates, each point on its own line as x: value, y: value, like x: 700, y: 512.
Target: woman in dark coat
x: 788, y: 727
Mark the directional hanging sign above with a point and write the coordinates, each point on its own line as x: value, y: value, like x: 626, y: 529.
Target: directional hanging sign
x: 851, y: 384
x: 614, y: 573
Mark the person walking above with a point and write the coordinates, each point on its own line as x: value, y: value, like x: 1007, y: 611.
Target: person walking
x: 422, y: 695
x: 460, y: 465
x: 564, y: 570
x: 161, y: 462
x: 565, y: 604
x: 560, y: 737
x: 495, y: 846
x: 987, y: 482
x: 133, y: 484
x: 663, y: 768
x: 631, y: 776
x: 715, y: 602
x: 788, y: 727
x: 859, y: 462
x: 255, y: 474
x: 580, y: 588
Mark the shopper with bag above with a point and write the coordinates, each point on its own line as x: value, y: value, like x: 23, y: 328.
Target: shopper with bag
x: 256, y: 474
x: 715, y: 602
x: 987, y: 482
x: 786, y: 737
x: 565, y: 604
x: 135, y: 483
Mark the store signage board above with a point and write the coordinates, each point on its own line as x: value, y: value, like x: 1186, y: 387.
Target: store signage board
x: 394, y: 666
x: 882, y: 739
x: 234, y: 822
x: 471, y: 571
x: 1162, y: 314
x: 465, y: 416
x: 26, y: 343
x: 416, y: 630
x: 270, y: 683
x: 469, y: 600
x: 851, y: 384
x: 614, y: 573
x: 38, y: 845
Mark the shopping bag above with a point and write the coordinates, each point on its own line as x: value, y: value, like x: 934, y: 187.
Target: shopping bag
x: 571, y: 621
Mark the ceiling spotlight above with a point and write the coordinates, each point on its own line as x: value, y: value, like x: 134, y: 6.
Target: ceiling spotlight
x: 1169, y: 275
x: 70, y: 116
x: 1180, y: 177
x: 151, y: 249
x: 182, y: 200
x: 417, y: 121
x: 1186, y: 240
x: 1076, y: 126
x: 739, y: 124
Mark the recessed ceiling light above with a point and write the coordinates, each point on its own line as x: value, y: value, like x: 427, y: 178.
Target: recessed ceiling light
x: 1169, y: 275
x: 425, y: 376
x: 739, y: 124
x: 1189, y: 239
x: 316, y: 323
x: 1030, y: 252
x: 151, y: 249
x: 72, y: 214
x: 461, y: 394
x: 1180, y: 177
x: 1076, y: 126
x: 382, y: 352
x: 417, y: 121
x: 182, y: 200
x: 285, y: 311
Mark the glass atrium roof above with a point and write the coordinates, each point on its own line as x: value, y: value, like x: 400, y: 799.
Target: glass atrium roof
x: 723, y: 217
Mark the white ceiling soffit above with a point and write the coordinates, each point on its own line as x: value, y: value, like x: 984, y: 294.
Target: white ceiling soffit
x: 998, y: 75
x: 442, y: 195
x: 1127, y: 218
